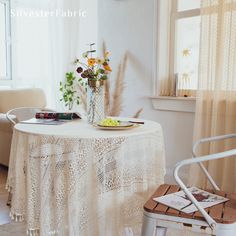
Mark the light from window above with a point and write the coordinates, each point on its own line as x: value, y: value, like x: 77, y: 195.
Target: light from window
x: 3, y: 49
x: 187, y: 51
x: 185, y: 44
x: 32, y: 48
x: 184, y: 5
x: 5, y: 44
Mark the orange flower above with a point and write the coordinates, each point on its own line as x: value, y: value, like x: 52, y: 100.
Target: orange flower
x: 106, y: 67
x: 91, y: 61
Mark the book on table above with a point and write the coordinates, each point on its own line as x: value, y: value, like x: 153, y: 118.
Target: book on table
x: 57, y: 115
x: 180, y: 201
x: 52, y: 118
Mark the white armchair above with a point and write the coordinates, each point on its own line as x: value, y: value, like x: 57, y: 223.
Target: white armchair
x: 219, y: 220
x: 10, y: 99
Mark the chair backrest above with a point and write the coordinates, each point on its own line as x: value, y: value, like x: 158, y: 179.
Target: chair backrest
x: 21, y: 113
x: 226, y: 154
x: 13, y: 98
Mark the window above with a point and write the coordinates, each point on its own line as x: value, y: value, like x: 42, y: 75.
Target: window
x: 179, y: 46
x: 5, y: 40
x: 31, y: 51
x: 186, y: 20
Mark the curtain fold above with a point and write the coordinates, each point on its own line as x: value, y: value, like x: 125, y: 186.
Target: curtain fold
x: 164, y: 37
x: 172, y: 82
x: 64, y: 45
x: 216, y: 95
x: 45, y: 43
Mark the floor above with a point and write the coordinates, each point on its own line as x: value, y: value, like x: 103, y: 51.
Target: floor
x: 7, y: 227
x: 4, y: 213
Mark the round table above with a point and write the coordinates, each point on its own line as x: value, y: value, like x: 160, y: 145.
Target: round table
x: 74, y: 179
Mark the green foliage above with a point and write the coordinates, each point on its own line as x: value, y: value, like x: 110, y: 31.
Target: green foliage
x: 68, y: 90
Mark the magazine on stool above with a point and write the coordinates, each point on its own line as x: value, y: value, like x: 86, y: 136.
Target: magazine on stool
x: 180, y: 201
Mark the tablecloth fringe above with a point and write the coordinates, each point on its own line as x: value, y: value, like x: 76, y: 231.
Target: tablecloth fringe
x: 33, y: 232
x: 8, y: 187
x: 16, y: 217
x: 20, y: 218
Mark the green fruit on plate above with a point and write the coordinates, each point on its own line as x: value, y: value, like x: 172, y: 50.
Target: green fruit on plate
x: 109, y: 122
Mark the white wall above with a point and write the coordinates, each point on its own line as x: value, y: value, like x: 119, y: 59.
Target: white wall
x: 127, y: 25
x: 88, y: 24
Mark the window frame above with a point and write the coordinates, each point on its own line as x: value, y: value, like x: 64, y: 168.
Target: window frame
x: 6, y: 80
x: 166, y: 17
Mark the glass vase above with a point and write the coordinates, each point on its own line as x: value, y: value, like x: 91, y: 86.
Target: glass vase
x: 95, y: 101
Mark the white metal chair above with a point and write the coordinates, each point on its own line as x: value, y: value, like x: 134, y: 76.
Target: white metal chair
x: 23, y: 113
x: 219, y: 220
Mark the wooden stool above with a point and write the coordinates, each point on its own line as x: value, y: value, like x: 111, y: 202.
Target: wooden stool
x: 158, y: 217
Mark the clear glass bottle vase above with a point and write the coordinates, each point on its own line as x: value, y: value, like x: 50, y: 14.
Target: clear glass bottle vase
x: 95, y: 101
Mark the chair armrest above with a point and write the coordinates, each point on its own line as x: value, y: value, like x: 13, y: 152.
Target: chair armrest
x: 200, y: 159
x: 11, y: 118
x: 211, y: 139
x: 5, y: 125
x: 26, y: 112
x: 46, y: 109
x: 205, y: 140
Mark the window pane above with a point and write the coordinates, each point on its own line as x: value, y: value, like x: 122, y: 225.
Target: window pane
x: 32, y: 48
x: 184, y: 5
x: 3, y: 55
x: 187, y: 51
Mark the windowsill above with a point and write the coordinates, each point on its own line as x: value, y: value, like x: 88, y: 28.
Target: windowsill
x: 176, y: 104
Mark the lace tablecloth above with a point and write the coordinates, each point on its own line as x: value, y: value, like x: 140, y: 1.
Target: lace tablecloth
x: 74, y: 179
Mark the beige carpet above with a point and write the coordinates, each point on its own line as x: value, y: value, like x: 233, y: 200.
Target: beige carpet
x: 16, y: 229
x: 7, y: 227
x: 4, y: 212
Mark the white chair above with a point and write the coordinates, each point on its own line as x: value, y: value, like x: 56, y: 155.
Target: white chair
x: 23, y: 113
x: 219, y: 220
x: 9, y: 99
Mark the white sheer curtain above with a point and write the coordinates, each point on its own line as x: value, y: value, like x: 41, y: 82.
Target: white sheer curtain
x: 216, y: 96
x: 64, y: 42
x: 44, y: 46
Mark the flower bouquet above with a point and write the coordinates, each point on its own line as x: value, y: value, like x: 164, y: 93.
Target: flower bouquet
x: 95, y: 70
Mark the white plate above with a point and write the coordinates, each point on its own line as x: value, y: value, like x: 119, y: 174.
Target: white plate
x: 123, y: 125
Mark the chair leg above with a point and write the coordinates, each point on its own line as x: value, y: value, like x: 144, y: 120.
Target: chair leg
x: 161, y: 231
x: 226, y: 229
x: 149, y: 226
